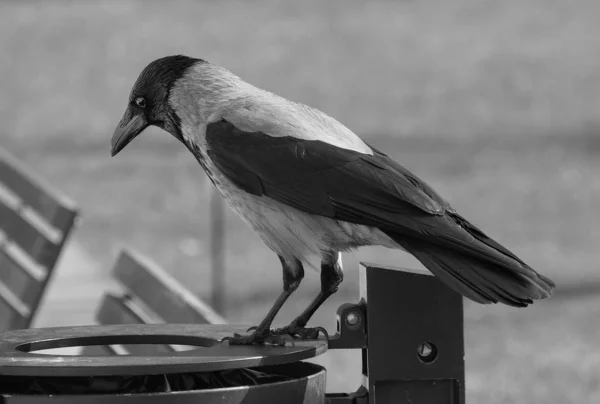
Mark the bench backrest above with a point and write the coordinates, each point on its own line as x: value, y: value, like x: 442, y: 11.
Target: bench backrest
x: 150, y: 295
x: 35, y: 222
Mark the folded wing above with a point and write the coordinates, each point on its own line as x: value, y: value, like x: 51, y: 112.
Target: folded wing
x: 373, y: 190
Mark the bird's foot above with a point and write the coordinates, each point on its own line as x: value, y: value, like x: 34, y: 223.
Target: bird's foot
x: 303, y: 333
x: 259, y: 338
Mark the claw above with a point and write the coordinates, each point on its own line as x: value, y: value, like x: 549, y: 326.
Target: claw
x: 259, y: 339
x: 312, y: 333
x: 278, y: 337
x: 302, y: 332
x: 229, y: 339
x: 279, y: 340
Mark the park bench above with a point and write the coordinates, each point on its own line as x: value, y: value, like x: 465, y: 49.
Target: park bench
x: 35, y: 222
x: 149, y: 295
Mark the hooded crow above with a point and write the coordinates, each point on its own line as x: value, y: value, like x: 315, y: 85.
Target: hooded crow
x: 310, y: 187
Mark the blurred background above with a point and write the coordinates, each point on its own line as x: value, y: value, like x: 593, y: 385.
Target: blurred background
x: 495, y: 104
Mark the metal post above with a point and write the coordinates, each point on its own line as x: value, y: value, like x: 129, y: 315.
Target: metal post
x: 217, y: 252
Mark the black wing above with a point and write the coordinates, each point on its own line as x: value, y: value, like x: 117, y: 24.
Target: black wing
x: 373, y: 190
x: 320, y: 178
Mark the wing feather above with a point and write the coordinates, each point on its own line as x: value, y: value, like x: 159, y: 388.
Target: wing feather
x: 373, y: 190
x: 317, y: 177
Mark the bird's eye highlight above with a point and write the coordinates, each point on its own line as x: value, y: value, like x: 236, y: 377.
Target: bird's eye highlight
x: 140, y: 102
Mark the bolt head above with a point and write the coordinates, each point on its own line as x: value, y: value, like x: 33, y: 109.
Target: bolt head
x: 427, y: 352
x: 425, y: 349
x: 352, y: 318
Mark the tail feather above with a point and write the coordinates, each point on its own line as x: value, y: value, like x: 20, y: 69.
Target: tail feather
x: 483, y: 281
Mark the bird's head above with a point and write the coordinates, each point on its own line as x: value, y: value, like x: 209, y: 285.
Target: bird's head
x: 171, y: 92
x: 149, y: 101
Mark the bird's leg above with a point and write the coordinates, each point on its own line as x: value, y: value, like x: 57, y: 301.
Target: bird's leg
x: 331, y: 276
x: 292, y: 276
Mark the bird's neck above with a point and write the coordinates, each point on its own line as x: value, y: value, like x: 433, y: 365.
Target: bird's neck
x: 207, y: 93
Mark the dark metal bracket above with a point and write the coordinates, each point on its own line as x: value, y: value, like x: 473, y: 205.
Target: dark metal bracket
x: 409, y: 326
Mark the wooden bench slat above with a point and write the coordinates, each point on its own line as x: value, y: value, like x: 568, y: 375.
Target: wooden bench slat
x: 8, y: 318
x: 13, y: 201
x: 21, y: 274
x: 13, y: 302
x: 103, y: 350
x: 115, y: 310
x: 19, y: 280
x: 117, y: 350
x: 151, y: 296
x: 34, y: 270
x: 24, y: 276
x: 54, y: 207
x: 27, y: 236
x: 35, y: 221
x: 161, y: 292
x: 122, y: 310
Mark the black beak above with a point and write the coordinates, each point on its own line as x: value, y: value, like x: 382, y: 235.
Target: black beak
x: 132, y: 124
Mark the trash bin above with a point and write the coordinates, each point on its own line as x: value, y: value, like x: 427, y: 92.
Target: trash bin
x: 211, y: 373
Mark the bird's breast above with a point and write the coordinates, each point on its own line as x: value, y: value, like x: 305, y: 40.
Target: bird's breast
x: 195, y: 141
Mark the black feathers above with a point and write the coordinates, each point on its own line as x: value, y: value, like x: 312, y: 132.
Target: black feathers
x: 154, y: 86
x: 479, y: 279
x: 373, y: 190
x: 317, y: 177
x: 163, y: 73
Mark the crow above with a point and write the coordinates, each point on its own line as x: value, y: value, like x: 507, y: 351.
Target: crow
x: 310, y: 187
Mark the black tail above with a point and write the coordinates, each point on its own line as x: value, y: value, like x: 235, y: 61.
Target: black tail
x: 496, y: 276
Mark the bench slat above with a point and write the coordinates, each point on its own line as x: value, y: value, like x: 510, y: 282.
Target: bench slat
x: 24, y: 277
x: 12, y: 302
x: 161, y: 292
x: 101, y: 350
x: 116, y: 310
x: 53, y: 206
x: 122, y: 310
x: 18, y: 280
x: 35, y: 222
x: 9, y: 319
x: 27, y: 236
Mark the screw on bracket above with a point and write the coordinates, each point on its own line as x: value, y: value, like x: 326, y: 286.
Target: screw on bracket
x: 352, y: 332
x: 427, y: 352
x: 353, y: 319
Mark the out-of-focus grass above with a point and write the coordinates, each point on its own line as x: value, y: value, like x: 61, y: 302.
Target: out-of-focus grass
x: 493, y: 103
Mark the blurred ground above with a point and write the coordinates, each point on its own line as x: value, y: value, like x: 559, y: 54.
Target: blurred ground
x: 493, y: 103
x: 78, y: 284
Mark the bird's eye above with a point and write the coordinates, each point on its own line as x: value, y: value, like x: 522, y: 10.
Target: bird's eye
x: 140, y: 102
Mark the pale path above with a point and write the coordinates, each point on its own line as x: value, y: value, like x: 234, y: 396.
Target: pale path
x: 75, y: 290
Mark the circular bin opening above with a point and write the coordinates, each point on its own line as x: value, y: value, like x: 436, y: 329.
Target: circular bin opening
x: 50, y: 347
x: 101, y: 350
